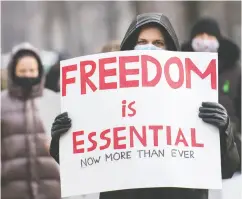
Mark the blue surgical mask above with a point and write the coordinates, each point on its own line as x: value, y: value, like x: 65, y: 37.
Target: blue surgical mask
x: 147, y: 47
x: 205, y: 45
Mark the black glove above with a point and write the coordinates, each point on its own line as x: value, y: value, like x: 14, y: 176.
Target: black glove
x: 215, y: 114
x: 61, y: 125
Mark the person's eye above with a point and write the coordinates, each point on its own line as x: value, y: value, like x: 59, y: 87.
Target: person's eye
x: 159, y: 43
x: 141, y: 42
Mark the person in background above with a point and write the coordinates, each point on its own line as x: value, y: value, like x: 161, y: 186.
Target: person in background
x: 53, y: 76
x: 153, y: 31
x: 3, y: 79
x: 27, y: 169
x: 111, y: 47
x: 206, y: 37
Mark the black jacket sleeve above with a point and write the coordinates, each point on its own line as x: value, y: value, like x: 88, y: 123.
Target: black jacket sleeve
x: 229, y: 153
x: 237, y: 104
x: 237, y: 139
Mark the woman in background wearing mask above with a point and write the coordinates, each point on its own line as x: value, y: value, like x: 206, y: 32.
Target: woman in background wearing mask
x: 27, y: 170
x: 153, y: 31
x: 206, y: 37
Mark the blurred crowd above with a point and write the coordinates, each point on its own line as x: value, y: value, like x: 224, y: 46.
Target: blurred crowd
x: 28, y: 171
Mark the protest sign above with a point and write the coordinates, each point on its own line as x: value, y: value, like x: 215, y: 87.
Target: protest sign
x: 135, y: 122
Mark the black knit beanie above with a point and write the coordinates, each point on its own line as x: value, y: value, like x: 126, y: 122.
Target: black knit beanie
x: 206, y: 25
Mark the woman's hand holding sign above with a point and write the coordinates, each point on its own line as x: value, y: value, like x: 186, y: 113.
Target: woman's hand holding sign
x: 210, y: 112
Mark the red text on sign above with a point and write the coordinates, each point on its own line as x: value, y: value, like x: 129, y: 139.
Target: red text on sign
x: 129, y: 137
x: 121, y: 72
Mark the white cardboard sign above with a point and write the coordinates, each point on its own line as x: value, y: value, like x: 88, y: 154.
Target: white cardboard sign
x: 135, y: 122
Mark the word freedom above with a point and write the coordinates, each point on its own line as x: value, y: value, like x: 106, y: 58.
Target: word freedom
x: 83, y: 71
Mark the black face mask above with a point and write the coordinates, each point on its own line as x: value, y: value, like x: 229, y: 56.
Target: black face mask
x: 27, y: 82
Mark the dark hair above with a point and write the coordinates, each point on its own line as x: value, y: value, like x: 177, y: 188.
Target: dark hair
x: 53, y: 77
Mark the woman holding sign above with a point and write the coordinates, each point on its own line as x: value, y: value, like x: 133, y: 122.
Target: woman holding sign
x: 153, y: 31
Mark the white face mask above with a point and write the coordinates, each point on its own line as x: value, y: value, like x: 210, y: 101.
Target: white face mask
x: 147, y: 47
x: 205, y: 45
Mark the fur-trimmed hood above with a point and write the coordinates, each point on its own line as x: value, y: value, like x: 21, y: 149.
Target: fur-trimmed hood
x: 15, y: 89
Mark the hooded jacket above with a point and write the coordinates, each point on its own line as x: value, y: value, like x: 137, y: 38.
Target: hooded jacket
x: 228, y: 148
x: 27, y: 171
x: 229, y: 73
x: 160, y: 20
